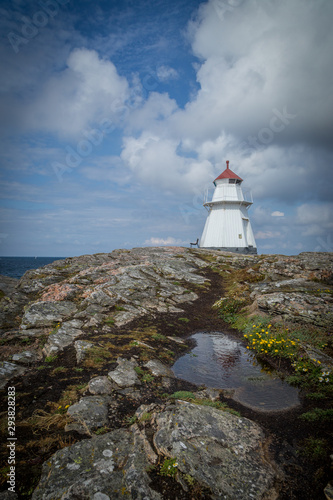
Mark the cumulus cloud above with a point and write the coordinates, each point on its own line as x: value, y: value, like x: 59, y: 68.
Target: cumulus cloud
x: 165, y: 73
x: 248, y: 68
x: 259, y: 104
x: 314, y: 219
x: 158, y: 242
x: 262, y: 99
x: 155, y: 161
x: 261, y: 235
x: 153, y: 114
x: 89, y: 90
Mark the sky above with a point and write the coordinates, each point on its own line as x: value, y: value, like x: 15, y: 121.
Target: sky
x: 116, y: 117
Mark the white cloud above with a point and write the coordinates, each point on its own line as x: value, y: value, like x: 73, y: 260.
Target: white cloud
x: 155, y: 162
x: 165, y: 73
x: 89, y: 90
x: 247, y: 90
x: 248, y: 68
x: 253, y: 57
x: 153, y: 114
x: 261, y: 235
x: 170, y: 241
x: 315, y: 219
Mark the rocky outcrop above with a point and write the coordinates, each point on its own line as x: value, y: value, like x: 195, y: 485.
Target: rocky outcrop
x: 139, y: 281
x: 8, y: 371
x: 102, y: 468
x: 12, y: 302
x: 299, y: 300
x: 8, y: 285
x: 219, y: 451
x: 46, y: 313
x: 62, y: 337
x: 159, y: 369
x: 113, y: 289
x: 81, y: 348
x: 296, y: 289
x: 26, y: 357
x: 100, y: 385
x: 90, y: 413
x: 79, y: 305
x: 124, y: 375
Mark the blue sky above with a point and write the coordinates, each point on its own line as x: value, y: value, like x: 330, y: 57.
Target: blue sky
x: 117, y: 116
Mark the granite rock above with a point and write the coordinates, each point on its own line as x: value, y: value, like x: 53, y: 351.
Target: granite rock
x: 124, y: 375
x: 91, y: 412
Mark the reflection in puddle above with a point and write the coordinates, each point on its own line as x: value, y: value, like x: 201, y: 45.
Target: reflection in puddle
x: 220, y: 362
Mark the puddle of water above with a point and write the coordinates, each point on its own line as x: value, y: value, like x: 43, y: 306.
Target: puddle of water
x: 223, y: 363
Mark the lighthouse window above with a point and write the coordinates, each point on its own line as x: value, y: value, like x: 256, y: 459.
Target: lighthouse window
x: 240, y: 236
x: 232, y: 181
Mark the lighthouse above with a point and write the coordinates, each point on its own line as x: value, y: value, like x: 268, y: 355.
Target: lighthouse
x: 228, y: 225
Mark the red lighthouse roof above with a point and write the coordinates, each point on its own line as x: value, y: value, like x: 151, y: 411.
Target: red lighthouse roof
x: 228, y: 174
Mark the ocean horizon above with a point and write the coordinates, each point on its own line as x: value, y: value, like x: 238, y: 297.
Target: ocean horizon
x: 15, y: 267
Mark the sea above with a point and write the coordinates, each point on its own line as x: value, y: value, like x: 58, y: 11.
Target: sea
x: 15, y: 267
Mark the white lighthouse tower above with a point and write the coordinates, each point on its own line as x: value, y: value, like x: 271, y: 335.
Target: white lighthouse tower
x: 228, y: 225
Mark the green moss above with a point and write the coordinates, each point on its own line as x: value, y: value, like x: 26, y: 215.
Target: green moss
x: 318, y: 415
x: 145, y: 417
x: 50, y: 359
x: 182, y: 395
x: 102, y: 430
x: 60, y: 369
x: 96, y: 356
x: 131, y: 420
x: 27, y: 340
x: 158, y: 336
x: 189, y: 396
x: 316, y: 396
x: 139, y: 370
x: 119, y: 308
x: 109, y: 321
x: 315, y: 450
